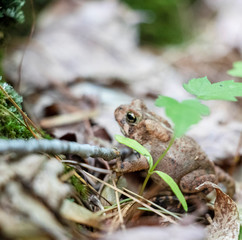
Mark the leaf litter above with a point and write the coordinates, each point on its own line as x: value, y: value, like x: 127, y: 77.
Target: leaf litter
x: 225, y: 224
x: 140, y: 69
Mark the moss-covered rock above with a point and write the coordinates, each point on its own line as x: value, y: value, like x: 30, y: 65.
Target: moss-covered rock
x: 11, y: 121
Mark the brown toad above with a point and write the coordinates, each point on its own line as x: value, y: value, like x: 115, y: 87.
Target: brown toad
x: 185, y: 161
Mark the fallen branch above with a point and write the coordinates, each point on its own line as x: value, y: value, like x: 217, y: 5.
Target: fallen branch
x: 57, y: 147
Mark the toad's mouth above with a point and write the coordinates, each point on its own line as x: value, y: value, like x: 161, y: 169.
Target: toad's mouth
x: 123, y: 132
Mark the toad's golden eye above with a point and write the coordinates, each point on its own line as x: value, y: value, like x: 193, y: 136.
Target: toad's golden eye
x: 130, y: 117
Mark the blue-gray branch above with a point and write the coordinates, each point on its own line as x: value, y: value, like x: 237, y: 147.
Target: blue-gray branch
x: 57, y: 147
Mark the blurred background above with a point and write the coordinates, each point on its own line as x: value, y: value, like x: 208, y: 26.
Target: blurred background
x: 87, y: 57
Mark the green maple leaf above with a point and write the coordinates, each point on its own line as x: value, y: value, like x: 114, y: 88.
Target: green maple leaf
x: 237, y: 69
x: 183, y: 114
x: 203, y: 89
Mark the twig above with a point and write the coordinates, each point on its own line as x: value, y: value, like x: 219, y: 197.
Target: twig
x: 169, y: 219
x: 57, y: 147
x: 121, y: 219
x: 154, y: 204
x: 26, y: 45
x: 96, y: 169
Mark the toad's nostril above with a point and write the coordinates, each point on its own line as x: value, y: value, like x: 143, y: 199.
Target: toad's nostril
x: 123, y: 121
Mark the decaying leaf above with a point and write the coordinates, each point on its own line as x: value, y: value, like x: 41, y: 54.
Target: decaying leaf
x: 35, y: 211
x: 79, y: 214
x: 109, y: 194
x: 47, y: 184
x: 225, y: 225
x: 14, y: 226
x: 31, y: 194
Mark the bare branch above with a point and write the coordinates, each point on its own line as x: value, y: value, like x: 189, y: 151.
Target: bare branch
x: 57, y: 147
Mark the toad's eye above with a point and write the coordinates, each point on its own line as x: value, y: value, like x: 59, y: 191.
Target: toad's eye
x: 130, y: 117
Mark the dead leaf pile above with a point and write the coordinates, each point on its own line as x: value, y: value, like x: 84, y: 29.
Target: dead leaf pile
x: 225, y: 224
x: 84, y: 61
x: 31, y: 197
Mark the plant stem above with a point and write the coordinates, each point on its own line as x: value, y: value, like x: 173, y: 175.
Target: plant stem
x: 163, y: 154
x: 144, y: 183
x: 151, y: 171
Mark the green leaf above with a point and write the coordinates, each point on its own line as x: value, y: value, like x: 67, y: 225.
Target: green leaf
x: 136, y: 146
x: 12, y: 11
x: 174, y: 187
x: 183, y: 114
x: 203, y: 89
x: 236, y: 71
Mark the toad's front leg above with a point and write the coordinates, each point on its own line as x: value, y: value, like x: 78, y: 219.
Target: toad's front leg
x: 133, y: 165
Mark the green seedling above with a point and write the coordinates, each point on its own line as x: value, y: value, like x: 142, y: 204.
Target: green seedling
x: 143, y: 151
x: 136, y: 146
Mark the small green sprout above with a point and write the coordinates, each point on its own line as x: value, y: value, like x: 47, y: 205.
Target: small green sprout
x: 136, y: 146
x: 143, y: 151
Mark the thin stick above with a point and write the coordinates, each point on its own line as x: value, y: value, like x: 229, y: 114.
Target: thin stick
x: 67, y: 175
x: 136, y: 200
x: 119, y: 208
x: 156, y: 205
x: 26, y: 45
x: 96, y: 169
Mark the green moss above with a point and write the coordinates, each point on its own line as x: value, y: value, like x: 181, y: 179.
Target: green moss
x: 11, y: 121
x: 80, y: 188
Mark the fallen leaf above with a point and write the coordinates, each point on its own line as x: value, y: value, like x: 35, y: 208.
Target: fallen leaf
x: 67, y: 119
x: 35, y: 210
x: 79, y: 214
x: 225, y: 224
x: 31, y: 194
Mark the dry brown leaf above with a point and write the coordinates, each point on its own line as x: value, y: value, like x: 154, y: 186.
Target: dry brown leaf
x: 79, y: 214
x: 30, y: 197
x: 18, y: 227
x: 68, y: 118
x: 225, y: 224
x: 35, y: 211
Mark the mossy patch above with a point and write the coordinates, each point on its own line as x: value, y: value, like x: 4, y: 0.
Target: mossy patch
x: 11, y: 121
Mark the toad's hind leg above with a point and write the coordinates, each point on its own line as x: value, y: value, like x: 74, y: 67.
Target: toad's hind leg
x: 189, y: 182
